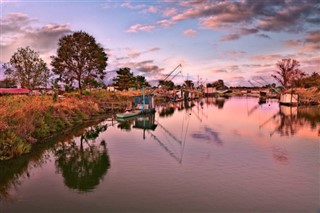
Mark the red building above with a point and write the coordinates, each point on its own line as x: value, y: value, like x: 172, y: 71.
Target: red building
x: 13, y: 91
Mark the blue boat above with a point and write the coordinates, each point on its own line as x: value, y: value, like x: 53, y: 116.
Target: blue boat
x: 143, y: 104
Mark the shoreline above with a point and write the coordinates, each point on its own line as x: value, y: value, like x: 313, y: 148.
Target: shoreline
x: 29, y: 120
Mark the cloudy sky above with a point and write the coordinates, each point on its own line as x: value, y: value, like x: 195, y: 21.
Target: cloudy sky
x: 233, y: 40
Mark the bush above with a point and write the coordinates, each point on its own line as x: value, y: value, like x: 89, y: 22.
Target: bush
x: 11, y: 145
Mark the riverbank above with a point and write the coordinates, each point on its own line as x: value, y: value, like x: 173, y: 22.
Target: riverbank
x: 307, y: 96
x: 26, y: 120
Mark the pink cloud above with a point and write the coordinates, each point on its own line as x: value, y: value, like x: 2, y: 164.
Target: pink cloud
x: 139, y: 27
x: 311, y: 42
x: 165, y: 23
x: 151, y: 9
x: 292, y: 43
x: 230, y: 37
x: 190, y: 32
x: 234, y: 52
x: 168, y: 12
x: 130, y: 6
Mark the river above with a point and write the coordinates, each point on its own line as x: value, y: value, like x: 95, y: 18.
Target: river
x: 213, y: 155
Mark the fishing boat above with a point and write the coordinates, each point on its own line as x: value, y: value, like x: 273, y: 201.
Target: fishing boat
x: 129, y: 114
x: 143, y: 104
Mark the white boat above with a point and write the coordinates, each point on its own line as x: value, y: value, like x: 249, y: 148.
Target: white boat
x: 129, y: 114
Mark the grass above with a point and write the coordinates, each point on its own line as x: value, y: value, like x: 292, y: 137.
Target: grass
x: 25, y: 120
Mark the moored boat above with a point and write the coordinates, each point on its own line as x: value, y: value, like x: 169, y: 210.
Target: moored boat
x: 129, y: 114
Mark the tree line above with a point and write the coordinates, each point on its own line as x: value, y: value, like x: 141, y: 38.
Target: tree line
x: 81, y: 60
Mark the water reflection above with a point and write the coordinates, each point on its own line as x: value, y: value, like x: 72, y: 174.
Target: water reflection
x: 208, y: 134
x: 216, y: 101
x: 182, y: 153
x: 289, y: 120
x: 168, y: 109
x: 280, y: 155
x: 144, y: 122
x: 15, y: 171
x: 84, y: 164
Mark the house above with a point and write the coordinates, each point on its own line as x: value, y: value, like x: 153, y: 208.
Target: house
x: 111, y: 88
x: 14, y: 91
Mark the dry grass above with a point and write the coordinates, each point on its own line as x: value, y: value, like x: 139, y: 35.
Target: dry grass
x: 26, y: 119
x: 312, y: 94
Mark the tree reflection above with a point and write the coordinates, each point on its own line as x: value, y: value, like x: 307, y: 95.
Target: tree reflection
x: 290, y: 120
x: 83, y: 164
x: 166, y: 112
x: 125, y: 124
x: 216, y: 101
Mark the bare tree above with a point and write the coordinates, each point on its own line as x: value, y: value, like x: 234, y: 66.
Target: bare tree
x: 288, y: 72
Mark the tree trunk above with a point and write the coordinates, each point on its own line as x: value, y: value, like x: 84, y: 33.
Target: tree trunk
x: 80, y: 87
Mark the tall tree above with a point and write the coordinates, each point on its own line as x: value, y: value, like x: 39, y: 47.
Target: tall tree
x: 27, y: 68
x: 288, y: 72
x: 169, y: 85
x: 79, y: 58
x: 124, y: 79
x: 141, y: 82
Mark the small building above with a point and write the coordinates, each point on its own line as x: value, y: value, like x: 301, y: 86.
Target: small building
x: 289, y: 99
x: 14, y: 91
x: 111, y: 88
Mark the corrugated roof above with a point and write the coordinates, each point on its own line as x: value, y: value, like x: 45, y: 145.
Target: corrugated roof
x: 13, y: 91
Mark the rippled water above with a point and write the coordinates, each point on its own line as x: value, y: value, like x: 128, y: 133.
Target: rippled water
x: 215, y: 155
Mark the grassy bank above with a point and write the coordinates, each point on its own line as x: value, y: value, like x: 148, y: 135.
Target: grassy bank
x: 26, y: 120
x: 309, y: 94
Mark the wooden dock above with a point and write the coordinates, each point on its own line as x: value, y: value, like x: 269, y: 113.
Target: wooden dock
x: 115, y: 106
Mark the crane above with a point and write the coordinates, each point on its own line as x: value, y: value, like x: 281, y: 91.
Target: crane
x: 252, y: 83
x: 168, y: 75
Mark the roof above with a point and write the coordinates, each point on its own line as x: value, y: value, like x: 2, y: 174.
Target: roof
x: 13, y: 91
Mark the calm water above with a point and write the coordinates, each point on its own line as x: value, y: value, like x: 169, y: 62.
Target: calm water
x: 217, y: 155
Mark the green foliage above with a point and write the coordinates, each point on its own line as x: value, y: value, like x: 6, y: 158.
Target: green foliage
x: 27, y: 68
x: 169, y: 85
x: 311, y: 81
x: 124, y: 79
x: 86, y: 92
x: 8, y: 83
x: 79, y: 58
x: 141, y: 82
x: 12, y: 145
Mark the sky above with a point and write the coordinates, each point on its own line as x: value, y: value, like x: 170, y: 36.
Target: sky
x: 233, y: 40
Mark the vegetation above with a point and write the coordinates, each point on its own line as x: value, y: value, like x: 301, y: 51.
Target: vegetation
x: 125, y: 80
x: 169, y: 85
x: 27, y: 68
x: 288, y: 72
x: 79, y: 58
x: 8, y: 83
x: 310, y: 81
x: 25, y: 120
x: 219, y: 85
